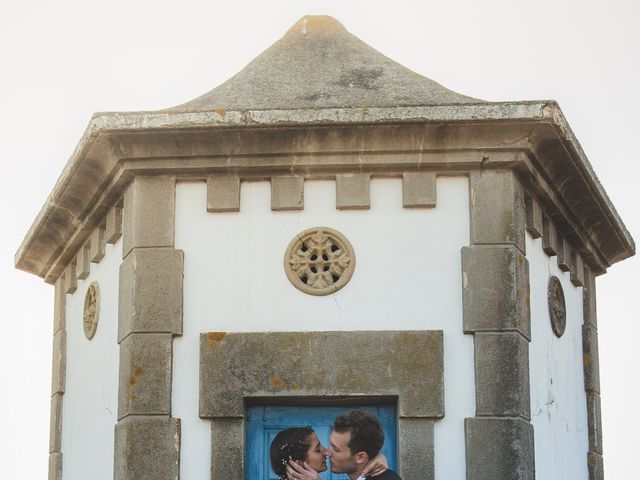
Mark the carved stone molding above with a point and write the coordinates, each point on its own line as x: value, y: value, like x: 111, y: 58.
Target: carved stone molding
x: 319, y: 261
x: 91, y: 312
x: 557, y: 306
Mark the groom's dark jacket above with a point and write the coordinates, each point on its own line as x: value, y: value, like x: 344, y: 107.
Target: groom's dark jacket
x: 388, y: 475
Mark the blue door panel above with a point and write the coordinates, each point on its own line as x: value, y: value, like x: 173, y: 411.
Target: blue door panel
x: 263, y: 423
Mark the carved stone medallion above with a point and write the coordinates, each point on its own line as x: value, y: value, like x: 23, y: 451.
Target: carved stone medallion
x: 319, y: 261
x: 557, y: 306
x: 91, y: 310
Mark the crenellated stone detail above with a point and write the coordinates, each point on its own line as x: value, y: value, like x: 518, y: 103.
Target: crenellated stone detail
x: 82, y: 261
x: 352, y: 191
x: 147, y: 438
x: 70, y: 278
x: 223, y: 193
x: 287, y: 193
x: 98, y: 244
x: 534, y: 217
x: 113, y: 225
x: 419, y: 190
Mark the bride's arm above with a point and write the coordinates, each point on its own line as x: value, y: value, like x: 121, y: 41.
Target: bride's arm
x: 376, y: 466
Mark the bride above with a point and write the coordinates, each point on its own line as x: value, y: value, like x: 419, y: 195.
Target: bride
x: 296, y: 453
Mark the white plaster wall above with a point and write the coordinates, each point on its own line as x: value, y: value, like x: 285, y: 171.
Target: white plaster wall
x: 407, y: 276
x: 558, y: 398
x: 91, y: 392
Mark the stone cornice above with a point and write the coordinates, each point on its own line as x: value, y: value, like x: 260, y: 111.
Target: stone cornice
x: 318, y: 144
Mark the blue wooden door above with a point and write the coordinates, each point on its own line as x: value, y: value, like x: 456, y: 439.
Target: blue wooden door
x: 263, y: 423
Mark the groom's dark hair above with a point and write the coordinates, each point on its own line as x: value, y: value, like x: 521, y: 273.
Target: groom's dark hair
x: 366, y: 432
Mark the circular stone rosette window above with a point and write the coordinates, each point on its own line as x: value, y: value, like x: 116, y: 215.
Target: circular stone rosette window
x: 557, y: 306
x: 91, y: 310
x: 319, y: 261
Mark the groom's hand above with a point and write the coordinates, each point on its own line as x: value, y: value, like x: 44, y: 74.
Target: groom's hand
x: 304, y: 472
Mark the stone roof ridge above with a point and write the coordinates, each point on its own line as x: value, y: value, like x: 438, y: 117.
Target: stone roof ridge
x: 319, y: 64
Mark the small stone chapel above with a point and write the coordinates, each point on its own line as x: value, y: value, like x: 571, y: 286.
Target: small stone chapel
x: 326, y: 230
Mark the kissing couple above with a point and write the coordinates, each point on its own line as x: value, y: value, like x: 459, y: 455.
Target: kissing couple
x: 354, y: 448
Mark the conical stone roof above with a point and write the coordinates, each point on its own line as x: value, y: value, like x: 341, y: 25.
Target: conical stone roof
x: 319, y: 64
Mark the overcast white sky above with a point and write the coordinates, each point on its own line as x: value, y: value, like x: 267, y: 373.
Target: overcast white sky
x: 61, y: 61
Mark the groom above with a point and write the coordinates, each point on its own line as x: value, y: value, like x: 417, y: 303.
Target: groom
x: 356, y: 437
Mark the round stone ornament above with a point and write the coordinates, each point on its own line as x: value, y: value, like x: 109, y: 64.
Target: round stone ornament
x: 557, y: 306
x: 91, y: 310
x: 319, y: 261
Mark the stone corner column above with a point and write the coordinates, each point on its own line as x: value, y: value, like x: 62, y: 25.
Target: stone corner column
x: 147, y: 438
x: 496, y: 310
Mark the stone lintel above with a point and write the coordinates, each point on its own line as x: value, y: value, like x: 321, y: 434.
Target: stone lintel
x: 416, y: 448
x: 533, y: 216
x: 147, y: 448
x: 55, y: 424
x: 55, y: 466
x: 237, y: 366
x: 549, y: 237
x: 145, y: 375
x: 591, y: 359
x: 595, y: 464
x: 70, y: 278
x: 227, y: 448
x: 495, y: 289
x: 577, y: 273
x: 502, y: 375
x: 287, y: 193
x: 98, y: 244
x: 82, y: 261
x: 497, y: 208
x: 352, y: 191
x: 499, y: 448
x: 419, y: 190
x: 150, y: 298
x: 113, y: 225
x: 59, y: 306
x: 59, y: 362
x: 223, y: 193
x: 589, y: 298
x: 149, y: 213
x: 594, y: 420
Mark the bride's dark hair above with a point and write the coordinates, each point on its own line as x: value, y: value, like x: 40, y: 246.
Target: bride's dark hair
x: 289, y: 444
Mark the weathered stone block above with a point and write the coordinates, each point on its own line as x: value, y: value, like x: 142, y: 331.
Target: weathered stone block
x: 55, y: 424
x: 564, y: 252
x: 497, y: 209
x: 148, y: 218
x: 577, y: 272
x: 55, y: 466
x: 594, y: 421
x: 236, y: 366
x: 59, y: 306
x: 589, y: 298
x: 549, y: 237
x: 595, y: 464
x: 534, y: 216
x: 145, y: 375
x: 223, y: 193
x: 419, y: 189
x: 352, y: 191
x: 495, y: 290
x: 227, y: 447
x: 70, y: 278
x: 59, y: 362
x: 415, y: 436
x: 499, y: 448
x: 82, y: 261
x: 98, y: 244
x: 147, y: 449
x: 113, y: 225
x: 287, y: 193
x: 591, y: 360
x: 150, y: 293
x: 502, y: 375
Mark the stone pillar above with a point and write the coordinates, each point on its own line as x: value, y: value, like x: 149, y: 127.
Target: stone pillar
x: 58, y: 376
x: 499, y: 439
x: 147, y: 438
x: 592, y: 377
